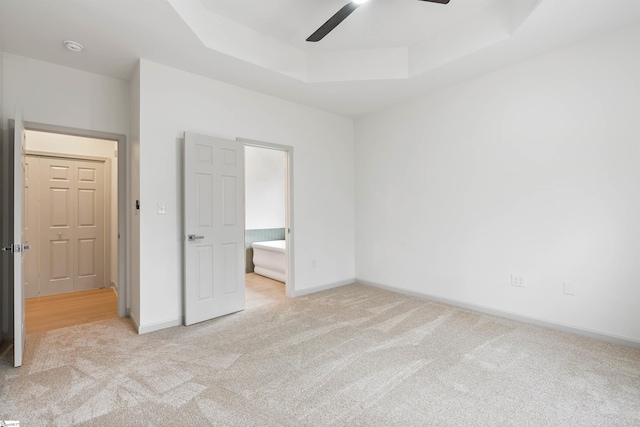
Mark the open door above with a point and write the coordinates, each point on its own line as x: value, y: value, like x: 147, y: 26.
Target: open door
x: 213, y: 228
x: 16, y: 248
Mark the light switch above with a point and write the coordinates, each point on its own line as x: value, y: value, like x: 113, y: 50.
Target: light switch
x: 162, y: 208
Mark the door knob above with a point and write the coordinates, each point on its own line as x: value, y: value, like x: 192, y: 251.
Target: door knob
x: 193, y: 237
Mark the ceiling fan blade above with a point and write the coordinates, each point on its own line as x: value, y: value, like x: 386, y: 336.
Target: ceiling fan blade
x: 333, y: 22
x: 437, y: 1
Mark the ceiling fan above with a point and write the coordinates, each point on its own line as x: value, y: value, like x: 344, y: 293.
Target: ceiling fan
x: 340, y: 16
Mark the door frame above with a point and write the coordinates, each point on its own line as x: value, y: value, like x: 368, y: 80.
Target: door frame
x: 288, y: 232
x: 123, y: 200
x: 107, y: 189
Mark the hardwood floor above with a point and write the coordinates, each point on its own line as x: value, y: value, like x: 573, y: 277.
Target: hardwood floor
x: 75, y: 308
x: 261, y: 290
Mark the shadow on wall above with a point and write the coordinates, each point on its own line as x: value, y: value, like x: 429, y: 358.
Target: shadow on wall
x: 262, y: 235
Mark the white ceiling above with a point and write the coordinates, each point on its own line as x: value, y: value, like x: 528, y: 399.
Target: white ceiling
x: 385, y: 52
x: 376, y: 24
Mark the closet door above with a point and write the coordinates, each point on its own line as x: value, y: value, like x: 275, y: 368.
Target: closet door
x: 56, y: 225
x: 72, y: 225
x: 88, y: 244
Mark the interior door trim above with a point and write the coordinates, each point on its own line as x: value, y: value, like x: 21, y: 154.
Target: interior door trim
x: 290, y: 287
x: 124, y: 218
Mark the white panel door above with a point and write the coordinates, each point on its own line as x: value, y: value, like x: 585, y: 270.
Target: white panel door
x: 57, y: 231
x: 213, y: 227
x: 18, y: 237
x: 32, y: 226
x: 72, y: 223
x: 88, y: 219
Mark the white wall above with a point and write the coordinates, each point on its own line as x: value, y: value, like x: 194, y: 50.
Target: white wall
x: 43, y: 142
x: 173, y: 102
x: 56, y: 95
x: 264, y: 188
x: 533, y: 169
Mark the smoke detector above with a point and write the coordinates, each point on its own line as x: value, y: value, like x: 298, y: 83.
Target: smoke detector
x: 73, y: 46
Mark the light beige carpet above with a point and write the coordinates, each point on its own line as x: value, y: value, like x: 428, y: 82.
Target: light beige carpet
x: 345, y: 357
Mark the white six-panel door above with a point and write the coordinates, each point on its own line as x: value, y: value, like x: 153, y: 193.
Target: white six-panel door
x: 213, y: 227
x: 19, y: 330
x: 32, y: 226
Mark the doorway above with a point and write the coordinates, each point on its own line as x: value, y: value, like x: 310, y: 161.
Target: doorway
x: 77, y: 146
x: 214, y: 215
x: 71, y: 196
x: 268, y: 239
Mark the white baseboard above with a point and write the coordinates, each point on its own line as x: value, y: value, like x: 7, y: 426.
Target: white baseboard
x: 152, y: 327
x: 145, y: 329
x: 627, y: 342
x: 313, y: 290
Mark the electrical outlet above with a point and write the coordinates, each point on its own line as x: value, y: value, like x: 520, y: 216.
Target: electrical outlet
x: 517, y: 280
x: 569, y: 288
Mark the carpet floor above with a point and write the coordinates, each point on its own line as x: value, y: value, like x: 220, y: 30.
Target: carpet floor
x: 351, y: 356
